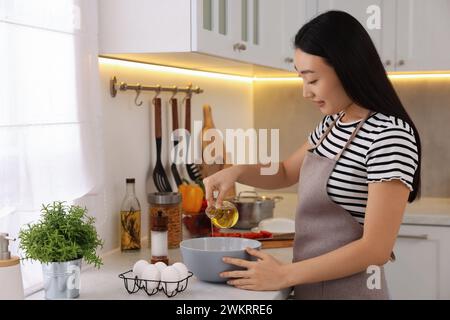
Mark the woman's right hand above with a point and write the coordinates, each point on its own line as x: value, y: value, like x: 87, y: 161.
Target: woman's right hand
x: 221, y: 182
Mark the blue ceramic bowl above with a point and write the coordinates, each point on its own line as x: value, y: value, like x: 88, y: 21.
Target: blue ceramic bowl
x: 203, y: 256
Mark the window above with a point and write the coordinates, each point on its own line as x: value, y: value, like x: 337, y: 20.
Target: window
x: 48, y: 109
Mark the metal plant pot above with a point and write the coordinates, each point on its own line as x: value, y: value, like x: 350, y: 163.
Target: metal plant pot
x: 62, y: 279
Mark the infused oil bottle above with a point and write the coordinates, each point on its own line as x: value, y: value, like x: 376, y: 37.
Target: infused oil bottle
x: 130, y: 219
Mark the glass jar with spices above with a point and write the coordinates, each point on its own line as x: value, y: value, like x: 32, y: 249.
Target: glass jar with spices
x: 169, y: 203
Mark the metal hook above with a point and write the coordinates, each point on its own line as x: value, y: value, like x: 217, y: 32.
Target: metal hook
x: 175, y: 89
x: 188, y: 93
x: 158, y: 91
x: 138, y: 92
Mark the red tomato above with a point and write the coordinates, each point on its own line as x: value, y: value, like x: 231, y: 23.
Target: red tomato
x: 266, y: 234
x: 251, y: 235
x: 234, y: 234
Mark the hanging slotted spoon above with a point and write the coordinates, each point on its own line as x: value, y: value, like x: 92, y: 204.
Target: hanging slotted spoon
x: 173, y: 166
x: 159, y: 175
x: 192, y: 169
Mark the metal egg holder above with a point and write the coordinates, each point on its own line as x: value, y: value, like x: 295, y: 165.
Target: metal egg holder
x: 138, y: 284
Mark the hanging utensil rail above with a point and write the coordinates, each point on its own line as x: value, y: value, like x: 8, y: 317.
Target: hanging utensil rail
x: 123, y: 86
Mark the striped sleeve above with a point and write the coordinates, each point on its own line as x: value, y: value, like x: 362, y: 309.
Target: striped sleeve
x: 315, y: 135
x: 393, y: 155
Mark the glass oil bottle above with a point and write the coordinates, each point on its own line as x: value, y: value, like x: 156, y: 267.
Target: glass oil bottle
x: 130, y: 219
x: 225, y: 216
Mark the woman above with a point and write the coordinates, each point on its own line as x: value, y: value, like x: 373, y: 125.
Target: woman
x: 356, y: 172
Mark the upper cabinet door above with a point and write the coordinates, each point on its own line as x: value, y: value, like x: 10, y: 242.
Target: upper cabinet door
x: 295, y: 14
x: 266, y: 18
x: 144, y: 26
x: 244, y: 30
x: 215, y: 27
x: 376, y: 16
x: 422, y: 35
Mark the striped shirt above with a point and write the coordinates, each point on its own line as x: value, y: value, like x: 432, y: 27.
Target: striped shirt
x: 383, y: 149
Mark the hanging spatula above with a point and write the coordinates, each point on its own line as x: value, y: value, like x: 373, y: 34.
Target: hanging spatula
x: 192, y: 169
x: 173, y: 166
x: 159, y: 175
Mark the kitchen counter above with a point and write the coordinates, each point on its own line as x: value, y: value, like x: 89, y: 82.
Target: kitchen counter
x: 428, y: 211
x: 425, y: 211
x: 104, y: 283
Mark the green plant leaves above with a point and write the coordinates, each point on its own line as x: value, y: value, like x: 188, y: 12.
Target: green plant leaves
x: 63, y: 233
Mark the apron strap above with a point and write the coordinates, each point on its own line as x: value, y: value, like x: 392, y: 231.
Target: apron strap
x: 324, y: 135
x: 360, y: 124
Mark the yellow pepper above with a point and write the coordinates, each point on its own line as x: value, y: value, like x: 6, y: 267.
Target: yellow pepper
x: 192, y: 197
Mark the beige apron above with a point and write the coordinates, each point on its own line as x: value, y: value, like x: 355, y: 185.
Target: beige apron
x: 323, y: 226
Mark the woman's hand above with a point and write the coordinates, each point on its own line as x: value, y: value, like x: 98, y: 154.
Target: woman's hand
x: 267, y: 273
x: 221, y: 181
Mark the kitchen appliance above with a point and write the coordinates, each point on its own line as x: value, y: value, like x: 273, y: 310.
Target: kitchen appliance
x: 253, y: 208
x: 10, y: 274
x: 159, y: 175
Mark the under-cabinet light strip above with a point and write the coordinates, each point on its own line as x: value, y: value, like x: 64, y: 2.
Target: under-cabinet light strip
x: 216, y: 75
x: 181, y: 71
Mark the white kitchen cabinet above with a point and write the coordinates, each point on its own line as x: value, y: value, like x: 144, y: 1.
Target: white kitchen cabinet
x: 422, y: 266
x: 144, y: 26
x: 411, y: 34
x: 422, y: 35
x: 242, y: 30
x: 295, y: 14
x: 245, y: 30
x: 364, y: 11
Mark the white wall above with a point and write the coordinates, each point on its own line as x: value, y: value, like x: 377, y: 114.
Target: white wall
x: 128, y: 135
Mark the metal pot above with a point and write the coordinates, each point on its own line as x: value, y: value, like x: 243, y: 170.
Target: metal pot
x: 253, y: 208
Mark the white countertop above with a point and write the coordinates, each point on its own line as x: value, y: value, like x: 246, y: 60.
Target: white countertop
x: 425, y: 211
x: 104, y: 283
x: 428, y: 211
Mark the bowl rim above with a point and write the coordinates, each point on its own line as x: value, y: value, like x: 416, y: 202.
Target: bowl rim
x: 256, y: 242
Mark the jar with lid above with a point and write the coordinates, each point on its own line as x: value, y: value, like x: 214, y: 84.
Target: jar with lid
x: 169, y: 203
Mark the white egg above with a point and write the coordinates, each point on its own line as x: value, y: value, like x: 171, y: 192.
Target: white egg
x: 160, y: 265
x: 170, y: 274
x: 182, y: 270
x: 151, y: 272
x: 139, y: 266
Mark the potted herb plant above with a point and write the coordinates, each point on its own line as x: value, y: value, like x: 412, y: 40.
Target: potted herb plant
x: 60, y: 240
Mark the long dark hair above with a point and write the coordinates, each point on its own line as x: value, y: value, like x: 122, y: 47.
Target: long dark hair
x: 345, y: 45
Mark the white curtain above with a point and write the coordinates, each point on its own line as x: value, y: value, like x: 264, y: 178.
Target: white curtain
x: 49, y: 109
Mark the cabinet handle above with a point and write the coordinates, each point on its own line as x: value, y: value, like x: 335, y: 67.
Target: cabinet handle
x: 288, y: 60
x: 239, y: 47
x: 412, y: 236
x: 401, y: 62
x: 387, y: 62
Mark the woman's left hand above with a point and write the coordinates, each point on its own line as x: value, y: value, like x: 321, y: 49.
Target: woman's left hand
x: 264, y: 274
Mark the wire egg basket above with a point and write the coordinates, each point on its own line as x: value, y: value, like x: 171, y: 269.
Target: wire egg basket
x: 151, y: 287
